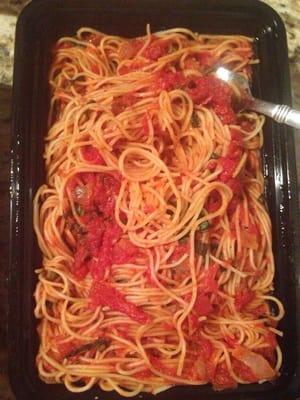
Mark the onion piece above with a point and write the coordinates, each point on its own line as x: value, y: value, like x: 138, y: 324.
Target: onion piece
x: 256, y: 362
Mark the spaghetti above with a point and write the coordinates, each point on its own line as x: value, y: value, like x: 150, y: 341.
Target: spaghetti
x: 157, y: 250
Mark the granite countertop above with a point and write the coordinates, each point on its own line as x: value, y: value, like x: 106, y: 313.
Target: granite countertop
x: 9, y: 10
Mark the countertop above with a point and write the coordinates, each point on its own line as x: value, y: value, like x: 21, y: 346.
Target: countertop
x: 9, y: 10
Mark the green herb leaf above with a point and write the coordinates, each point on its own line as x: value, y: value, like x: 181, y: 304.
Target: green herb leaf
x: 79, y: 210
x: 184, y: 239
x: 195, y: 121
x: 203, y: 226
x: 201, y: 248
x: 99, y: 344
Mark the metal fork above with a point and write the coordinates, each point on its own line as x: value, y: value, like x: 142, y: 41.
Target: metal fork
x: 279, y: 112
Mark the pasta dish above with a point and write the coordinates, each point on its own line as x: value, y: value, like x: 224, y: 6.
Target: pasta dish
x: 157, y: 252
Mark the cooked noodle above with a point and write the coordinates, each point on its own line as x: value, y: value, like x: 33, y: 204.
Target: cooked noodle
x: 157, y: 250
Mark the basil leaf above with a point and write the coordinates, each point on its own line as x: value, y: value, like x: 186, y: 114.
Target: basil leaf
x: 79, y: 210
x: 203, y: 226
x: 201, y: 248
x: 99, y: 344
x: 184, y: 239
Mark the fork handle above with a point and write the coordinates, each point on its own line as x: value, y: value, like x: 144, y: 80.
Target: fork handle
x: 280, y: 113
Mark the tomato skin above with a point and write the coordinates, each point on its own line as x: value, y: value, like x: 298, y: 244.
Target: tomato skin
x: 102, y: 293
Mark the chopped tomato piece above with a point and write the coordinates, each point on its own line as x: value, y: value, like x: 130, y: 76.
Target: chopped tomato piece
x: 236, y: 136
x: 260, y: 310
x: 213, y: 202
x: 198, y: 60
x: 229, y: 166
x: 235, y: 185
x: 222, y: 378
x: 234, y: 150
x: 104, y: 294
x: 92, y: 155
x: 124, y: 252
x: 210, y: 284
x: 180, y: 250
x: 202, y: 304
x: 242, y: 298
x: 213, y: 92
x: 81, y: 258
x: 271, y: 339
x: 95, y: 191
x: 168, y: 80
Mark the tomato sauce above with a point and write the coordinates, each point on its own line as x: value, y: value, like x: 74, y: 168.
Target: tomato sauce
x: 210, y: 91
x: 242, y: 298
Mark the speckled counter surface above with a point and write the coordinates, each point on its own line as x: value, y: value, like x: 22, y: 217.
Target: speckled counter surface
x: 9, y: 10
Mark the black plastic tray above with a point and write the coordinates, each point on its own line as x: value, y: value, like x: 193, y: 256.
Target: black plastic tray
x: 39, y: 26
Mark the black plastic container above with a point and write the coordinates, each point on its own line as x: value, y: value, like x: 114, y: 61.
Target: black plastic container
x: 39, y: 26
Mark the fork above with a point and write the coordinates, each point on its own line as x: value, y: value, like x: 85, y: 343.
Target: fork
x: 279, y: 112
